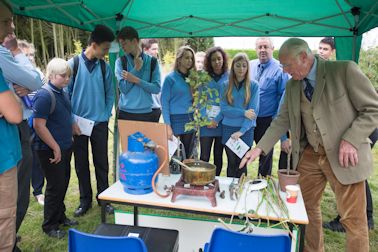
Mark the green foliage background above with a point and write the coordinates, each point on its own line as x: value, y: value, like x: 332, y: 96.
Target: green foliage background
x: 369, y: 64
x: 251, y: 53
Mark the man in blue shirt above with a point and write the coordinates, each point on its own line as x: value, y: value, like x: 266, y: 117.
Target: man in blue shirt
x: 22, y: 78
x: 92, y: 97
x: 272, y: 81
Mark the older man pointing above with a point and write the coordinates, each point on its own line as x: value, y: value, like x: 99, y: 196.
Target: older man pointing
x: 330, y: 108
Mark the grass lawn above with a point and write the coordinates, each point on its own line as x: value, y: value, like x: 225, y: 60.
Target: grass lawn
x: 33, y: 239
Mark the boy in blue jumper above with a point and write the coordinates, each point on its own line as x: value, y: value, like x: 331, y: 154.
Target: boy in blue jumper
x: 138, y: 79
x: 92, y: 97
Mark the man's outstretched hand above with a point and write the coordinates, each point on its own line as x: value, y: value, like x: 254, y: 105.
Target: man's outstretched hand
x: 250, y: 156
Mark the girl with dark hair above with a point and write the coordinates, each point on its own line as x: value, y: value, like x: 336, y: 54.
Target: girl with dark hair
x: 216, y: 65
x: 176, y: 98
x: 239, y: 106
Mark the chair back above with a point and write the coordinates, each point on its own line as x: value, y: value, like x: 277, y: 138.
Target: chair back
x: 83, y: 242
x: 223, y: 240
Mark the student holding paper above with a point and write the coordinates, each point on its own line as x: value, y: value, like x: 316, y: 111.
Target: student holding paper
x: 176, y: 99
x: 53, y: 144
x: 92, y: 95
x: 239, y: 106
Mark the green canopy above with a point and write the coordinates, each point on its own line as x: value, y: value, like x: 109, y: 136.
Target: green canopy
x: 346, y: 20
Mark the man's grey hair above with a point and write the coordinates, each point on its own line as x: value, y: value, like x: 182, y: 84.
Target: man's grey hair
x: 294, y: 46
x: 265, y: 38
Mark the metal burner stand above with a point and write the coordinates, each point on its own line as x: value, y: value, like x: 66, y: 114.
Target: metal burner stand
x: 208, y: 191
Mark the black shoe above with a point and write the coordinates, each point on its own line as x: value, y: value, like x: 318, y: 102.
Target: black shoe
x: 371, y: 223
x: 69, y: 223
x: 81, y: 210
x: 56, y: 233
x: 109, y: 209
x: 334, y: 225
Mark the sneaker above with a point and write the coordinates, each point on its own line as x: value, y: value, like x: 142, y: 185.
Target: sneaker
x: 40, y: 198
x: 109, y: 209
x: 69, y: 223
x: 57, y: 233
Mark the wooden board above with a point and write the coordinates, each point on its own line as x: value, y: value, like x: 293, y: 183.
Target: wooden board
x: 157, y: 132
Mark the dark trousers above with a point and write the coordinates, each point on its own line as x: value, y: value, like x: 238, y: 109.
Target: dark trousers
x: 188, y: 142
x: 37, y: 179
x: 369, y: 200
x: 57, y: 178
x: 233, y: 162
x: 265, y: 161
x: 156, y: 113
x: 23, y: 173
x: 206, y: 144
x: 144, y: 117
x: 99, y: 143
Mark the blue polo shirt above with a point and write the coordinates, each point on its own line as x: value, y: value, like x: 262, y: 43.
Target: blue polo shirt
x: 10, y: 147
x: 272, y: 84
x: 58, y: 122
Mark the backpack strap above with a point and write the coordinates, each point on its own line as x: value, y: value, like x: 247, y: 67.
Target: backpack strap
x: 74, y: 72
x: 124, y: 62
x: 153, y: 66
x: 75, y: 68
x: 103, y: 71
x: 52, y: 96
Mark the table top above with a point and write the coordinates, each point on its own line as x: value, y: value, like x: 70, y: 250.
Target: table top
x: 200, y: 204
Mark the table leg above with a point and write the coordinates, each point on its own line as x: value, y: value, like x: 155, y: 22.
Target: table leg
x: 302, y: 230
x: 135, y: 216
x: 103, y: 216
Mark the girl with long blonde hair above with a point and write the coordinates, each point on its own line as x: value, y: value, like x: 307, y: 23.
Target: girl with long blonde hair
x: 176, y: 98
x: 239, y: 106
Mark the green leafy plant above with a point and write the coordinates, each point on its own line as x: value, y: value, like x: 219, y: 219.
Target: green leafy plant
x: 202, y: 98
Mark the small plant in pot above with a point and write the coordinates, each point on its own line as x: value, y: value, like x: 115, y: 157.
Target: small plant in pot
x: 287, y: 176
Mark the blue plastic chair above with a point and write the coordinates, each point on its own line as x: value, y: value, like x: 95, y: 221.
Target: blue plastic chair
x: 83, y: 242
x: 223, y: 240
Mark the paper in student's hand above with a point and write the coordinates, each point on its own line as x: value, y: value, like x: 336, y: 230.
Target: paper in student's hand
x: 85, y: 125
x: 172, y: 145
x: 239, y: 147
x: 213, y: 111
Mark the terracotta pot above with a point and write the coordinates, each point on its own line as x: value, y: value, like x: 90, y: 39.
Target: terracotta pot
x: 201, y: 173
x: 287, y: 179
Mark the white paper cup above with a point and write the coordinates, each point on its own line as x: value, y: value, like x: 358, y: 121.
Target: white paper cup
x: 292, y: 193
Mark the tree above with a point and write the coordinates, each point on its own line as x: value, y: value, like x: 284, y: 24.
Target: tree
x: 200, y: 44
x: 50, y: 40
x: 369, y: 64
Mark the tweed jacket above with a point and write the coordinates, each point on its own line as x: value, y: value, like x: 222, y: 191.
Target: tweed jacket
x: 345, y: 106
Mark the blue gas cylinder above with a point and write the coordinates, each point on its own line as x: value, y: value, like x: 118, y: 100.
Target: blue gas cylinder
x: 138, y: 165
